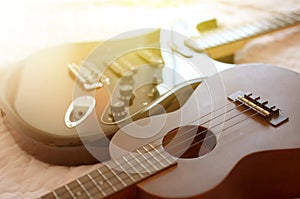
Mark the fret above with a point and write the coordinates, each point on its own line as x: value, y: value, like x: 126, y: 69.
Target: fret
x: 288, y: 18
x: 127, y: 173
x: 203, y: 44
x: 211, y: 41
x: 69, y: 191
x: 107, y: 180
x: 110, y: 175
x: 77, y: 190
x: 123, y: 174
x: 214, y: 37
x: 264, y: 26
x: 128, y: 162
x: 55, y: 194
x: 153, y: 156
x: 89, y: 187
x: 62, y: 193
x: 131, y: 175
x: 140, y: 163
x: 241, y: 33
x: 147, y: 160
x: 227, y: 34
x: 248, y: 30
x: 160, y: 154
x: 296, y: 16
x: 231, y: 34
x: 256, y: 29
x: 101, y: 182
x: 284, y: 20
x: 222, y: 37
x: 84, y: 189
x: 279, y: 22
x: 118, y: 177
x: 207, y: 42
x: 271, y: 24
x: 96, y: 184
x: 218, y: 40
x: 234, y: 35
x: 113, y: 176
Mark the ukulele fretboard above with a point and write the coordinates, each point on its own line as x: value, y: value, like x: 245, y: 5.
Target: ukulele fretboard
x: 116, y: 175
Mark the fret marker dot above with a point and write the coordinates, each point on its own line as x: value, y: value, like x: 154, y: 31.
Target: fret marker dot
x: 100, y: 182
x: 78, y: 193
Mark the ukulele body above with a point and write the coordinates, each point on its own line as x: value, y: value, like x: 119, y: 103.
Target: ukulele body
x: 252, y: 159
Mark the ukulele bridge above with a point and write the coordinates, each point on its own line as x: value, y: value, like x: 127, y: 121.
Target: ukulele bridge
x: 270, y: 112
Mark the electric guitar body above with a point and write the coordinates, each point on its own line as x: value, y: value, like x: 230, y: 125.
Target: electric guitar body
x: 62, y: 97
x: 224, y: 142
x: 37, y: 95
x: 59, y: 100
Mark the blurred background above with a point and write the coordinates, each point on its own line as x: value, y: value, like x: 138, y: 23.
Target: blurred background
x: 29, y: 25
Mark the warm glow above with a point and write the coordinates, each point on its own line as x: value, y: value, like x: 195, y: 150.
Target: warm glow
x: 29, y: 25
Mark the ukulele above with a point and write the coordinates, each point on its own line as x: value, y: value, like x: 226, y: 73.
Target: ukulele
x: 54, y: 93
x: 235, y: 137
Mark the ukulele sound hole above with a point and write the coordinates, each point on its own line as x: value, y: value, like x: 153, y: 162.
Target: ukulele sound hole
x: 189, y: 141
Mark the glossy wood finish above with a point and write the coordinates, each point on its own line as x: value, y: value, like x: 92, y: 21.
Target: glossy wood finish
x: 252, y: 159
x: 39, y: 90
x: 37, y: 93
x: 35, y: 97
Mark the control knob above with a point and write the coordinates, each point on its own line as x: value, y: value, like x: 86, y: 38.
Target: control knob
x: 117, y: 110
x: 126, y: 94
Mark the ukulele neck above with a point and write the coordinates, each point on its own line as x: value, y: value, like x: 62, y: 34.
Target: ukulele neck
x: 116, y: 175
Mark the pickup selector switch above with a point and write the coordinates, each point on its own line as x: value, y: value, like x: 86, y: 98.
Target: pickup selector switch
x: 126, y: 94
x: 117, y: 110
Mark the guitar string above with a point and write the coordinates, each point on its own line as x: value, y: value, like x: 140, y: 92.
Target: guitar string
x: 194, y: 128
x: 231, y: 126
x: 196, y: 143
x: 206, y: 138
x: 246, y: 118
x: 160, y: 153
x: 204, y: 131
x: 224, y: 106
x: 188, y: 138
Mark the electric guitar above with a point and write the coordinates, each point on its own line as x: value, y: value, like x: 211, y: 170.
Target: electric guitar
x: 237, y: 136
x: 60, y: 100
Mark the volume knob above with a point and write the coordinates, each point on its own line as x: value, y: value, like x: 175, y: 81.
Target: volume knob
x: 126, y: 94
x: 117, y: 110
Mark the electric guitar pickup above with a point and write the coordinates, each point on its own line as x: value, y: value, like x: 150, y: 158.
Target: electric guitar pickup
x: 67, y: 96
x: 224, y: 142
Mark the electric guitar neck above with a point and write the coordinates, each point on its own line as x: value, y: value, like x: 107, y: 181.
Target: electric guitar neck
x: 221, y: 43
